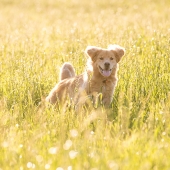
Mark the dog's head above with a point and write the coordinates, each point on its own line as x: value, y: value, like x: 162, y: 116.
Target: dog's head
x: 105, y: 59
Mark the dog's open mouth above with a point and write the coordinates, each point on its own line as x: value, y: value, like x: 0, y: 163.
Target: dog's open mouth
x: 105, y: 73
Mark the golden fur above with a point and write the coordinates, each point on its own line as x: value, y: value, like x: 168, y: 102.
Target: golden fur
x: 100, y: 77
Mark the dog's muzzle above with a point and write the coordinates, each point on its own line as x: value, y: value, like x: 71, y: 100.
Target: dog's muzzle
x: 107, y: 71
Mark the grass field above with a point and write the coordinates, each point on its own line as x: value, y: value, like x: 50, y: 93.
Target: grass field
x: 36, y: 37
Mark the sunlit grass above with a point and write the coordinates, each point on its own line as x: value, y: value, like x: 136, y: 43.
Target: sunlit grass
x: 36, y: 37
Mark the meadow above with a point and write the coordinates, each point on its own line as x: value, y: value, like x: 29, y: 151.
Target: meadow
x: 36, y: 37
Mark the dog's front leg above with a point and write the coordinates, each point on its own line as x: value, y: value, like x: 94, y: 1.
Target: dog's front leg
x: 107, y: 100
x: 108, y: 94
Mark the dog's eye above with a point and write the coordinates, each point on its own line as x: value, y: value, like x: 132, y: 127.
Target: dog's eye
x: 111, y: 58
x: 101, y: 58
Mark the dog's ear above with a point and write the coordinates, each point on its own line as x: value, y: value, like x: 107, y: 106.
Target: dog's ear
x: 92, y: 52
x: 118, y: 51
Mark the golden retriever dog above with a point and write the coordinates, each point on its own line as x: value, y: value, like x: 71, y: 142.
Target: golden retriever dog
x: 100, y: 77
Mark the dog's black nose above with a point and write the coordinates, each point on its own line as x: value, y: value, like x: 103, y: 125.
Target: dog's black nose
x: 107, y: 65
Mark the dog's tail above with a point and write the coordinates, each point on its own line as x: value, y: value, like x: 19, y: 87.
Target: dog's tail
x: 67, y: 71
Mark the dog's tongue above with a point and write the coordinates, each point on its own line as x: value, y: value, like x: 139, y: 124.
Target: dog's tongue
x: 106, y: 73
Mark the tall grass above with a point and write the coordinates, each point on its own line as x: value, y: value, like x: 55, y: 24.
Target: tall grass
x: 36, y: 37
